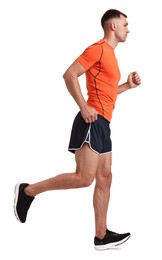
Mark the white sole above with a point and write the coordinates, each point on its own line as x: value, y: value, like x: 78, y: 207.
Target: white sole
x: 111, y: 245
x: 16, y: 199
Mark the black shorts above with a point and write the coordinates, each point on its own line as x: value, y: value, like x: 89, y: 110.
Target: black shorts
x: 96, y: 134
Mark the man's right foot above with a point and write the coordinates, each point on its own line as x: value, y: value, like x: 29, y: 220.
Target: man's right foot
x: 111, y: 239
x: 22, y: 202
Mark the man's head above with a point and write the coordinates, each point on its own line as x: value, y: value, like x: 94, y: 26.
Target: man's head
x: 109, y: 15
x: 116, y: 22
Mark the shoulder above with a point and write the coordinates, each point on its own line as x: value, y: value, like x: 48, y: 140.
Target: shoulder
x: 94, y: 49
x: 96, y: 45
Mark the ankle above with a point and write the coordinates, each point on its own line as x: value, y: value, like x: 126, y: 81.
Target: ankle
x: 101, y: 233
x: 28, y: 191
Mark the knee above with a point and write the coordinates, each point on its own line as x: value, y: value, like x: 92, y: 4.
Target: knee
x: 87, y: 181
x: 109, y: 179
x: 104, y: 179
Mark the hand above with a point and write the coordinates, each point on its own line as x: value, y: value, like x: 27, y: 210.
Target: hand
x: 133, y: 80
x: 89, y: 114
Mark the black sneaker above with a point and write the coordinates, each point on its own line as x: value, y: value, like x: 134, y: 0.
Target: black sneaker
x: 22, y: 202
x: 111, y: 239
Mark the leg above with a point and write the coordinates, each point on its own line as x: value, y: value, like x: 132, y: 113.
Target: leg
x: 104, y: 238
x: 102, y: 193
x: 86, y: 165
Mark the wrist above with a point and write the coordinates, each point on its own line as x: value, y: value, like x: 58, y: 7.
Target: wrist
x: 127, y: 85
x: 83, y: 106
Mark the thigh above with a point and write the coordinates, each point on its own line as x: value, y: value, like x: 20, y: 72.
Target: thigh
x: 86, y: 161
x: 104, y: 165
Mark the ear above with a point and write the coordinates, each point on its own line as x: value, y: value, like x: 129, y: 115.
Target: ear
x: 113, y: 26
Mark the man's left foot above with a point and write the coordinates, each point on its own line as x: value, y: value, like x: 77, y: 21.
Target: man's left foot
x: 111, y: 239
x: 22, y: 202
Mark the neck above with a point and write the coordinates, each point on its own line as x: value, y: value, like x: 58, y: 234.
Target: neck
x: 112, y: 42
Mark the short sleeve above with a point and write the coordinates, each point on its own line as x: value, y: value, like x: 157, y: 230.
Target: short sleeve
x: 90, y: 56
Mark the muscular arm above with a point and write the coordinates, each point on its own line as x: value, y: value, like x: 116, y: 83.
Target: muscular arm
x: 72, y: 83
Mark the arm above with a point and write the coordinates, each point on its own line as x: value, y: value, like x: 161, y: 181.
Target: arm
x: 133, y: 81
x: 72, y: 83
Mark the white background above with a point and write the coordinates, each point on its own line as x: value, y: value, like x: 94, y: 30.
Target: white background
x: 38, y: 41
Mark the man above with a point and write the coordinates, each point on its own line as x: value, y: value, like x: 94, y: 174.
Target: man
x: 90, y: 137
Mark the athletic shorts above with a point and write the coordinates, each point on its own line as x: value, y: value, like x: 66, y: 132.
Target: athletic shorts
x: 96, y: 134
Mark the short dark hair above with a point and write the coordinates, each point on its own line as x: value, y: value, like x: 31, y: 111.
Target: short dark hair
x: 111, y: 13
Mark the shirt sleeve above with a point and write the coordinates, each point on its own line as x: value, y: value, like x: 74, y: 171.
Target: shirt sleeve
x: 90, y: 56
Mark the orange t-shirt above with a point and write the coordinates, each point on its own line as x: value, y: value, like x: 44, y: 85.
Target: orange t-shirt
x: 102, y: 77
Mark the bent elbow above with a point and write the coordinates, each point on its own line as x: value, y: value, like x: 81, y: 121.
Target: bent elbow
x: 64, y: 75
x: 68, y: 75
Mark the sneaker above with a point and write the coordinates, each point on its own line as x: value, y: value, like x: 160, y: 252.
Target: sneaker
x: 111, y: 239
x: 22, y: 202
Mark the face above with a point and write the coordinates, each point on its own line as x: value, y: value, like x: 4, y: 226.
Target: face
x: 121, y: 29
